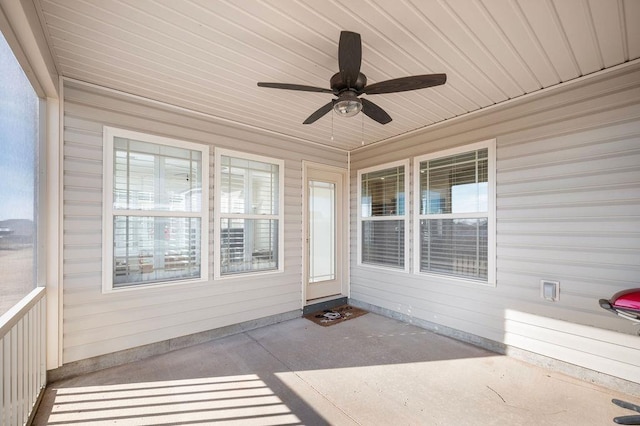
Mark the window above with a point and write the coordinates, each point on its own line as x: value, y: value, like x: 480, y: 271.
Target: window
x: 19, y: 143
x: 455, y: 213
x: 156, y: 210
x: 383, y: 216
x: 249, y: 215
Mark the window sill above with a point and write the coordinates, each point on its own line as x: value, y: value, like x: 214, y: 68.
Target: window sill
x: 451, y: 279
x: 248, y: 274
x: 155, y: 285
x: 404, y: 270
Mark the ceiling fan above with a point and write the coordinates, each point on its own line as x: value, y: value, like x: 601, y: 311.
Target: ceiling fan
x: 350, y: 83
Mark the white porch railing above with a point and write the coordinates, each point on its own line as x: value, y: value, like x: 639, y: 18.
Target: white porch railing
x: 22, y: 358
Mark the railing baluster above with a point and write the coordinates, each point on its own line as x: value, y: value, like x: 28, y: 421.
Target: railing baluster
x: 21, y: 368
x: 29, y: 373
x: 26, y: 340
x: 2, y: 375
x: 42, y: 347
x: 14, y: 370
x: 6, y: 379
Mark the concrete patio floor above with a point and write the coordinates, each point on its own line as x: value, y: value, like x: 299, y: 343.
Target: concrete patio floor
x: 370, y: 370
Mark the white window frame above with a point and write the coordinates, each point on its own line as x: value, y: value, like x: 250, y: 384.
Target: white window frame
x: 404, y: 218
x: 219, y: 153
x: 109, y: 134
x: 490, y: 145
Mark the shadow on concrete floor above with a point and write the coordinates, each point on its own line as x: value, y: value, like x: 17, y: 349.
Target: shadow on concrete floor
x: 370, y: 370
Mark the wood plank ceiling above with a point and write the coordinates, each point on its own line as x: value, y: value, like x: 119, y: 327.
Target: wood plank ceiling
x: 208, y: 55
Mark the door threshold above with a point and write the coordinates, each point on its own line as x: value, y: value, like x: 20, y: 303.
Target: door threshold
x: 324, y: 303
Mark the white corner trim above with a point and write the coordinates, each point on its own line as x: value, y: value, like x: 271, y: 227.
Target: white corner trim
x: 54, y: 228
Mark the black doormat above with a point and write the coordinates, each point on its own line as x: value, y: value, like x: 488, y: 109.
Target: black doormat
x: 335, y: 316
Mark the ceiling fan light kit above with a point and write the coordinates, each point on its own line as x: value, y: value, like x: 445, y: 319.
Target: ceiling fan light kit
x: 350, y: 83
x: 347, y: 104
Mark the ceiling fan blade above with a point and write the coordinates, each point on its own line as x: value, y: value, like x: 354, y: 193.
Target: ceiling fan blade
x: 349, y: 57
x: 295, y: 87
x: 374, y: 112
x: 319, y: 113
x: 404, y: 84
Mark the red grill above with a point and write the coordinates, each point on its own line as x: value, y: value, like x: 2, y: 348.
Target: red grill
x: 625, y: 304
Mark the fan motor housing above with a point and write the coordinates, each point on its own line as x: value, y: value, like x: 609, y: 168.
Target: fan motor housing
x: 338, y: 85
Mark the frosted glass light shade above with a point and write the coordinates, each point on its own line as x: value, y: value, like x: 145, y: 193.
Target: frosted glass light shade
x: 347, y: 104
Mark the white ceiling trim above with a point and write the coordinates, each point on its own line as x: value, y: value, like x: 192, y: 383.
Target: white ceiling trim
x: 22, y: 31
x: 208, y: 117
x: 521, y: 99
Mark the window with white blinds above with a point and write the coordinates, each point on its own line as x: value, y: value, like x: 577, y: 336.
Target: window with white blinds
x: 156, y: 208
x: 455, y: 213
x: 249, y: 214
x: 383, y: 216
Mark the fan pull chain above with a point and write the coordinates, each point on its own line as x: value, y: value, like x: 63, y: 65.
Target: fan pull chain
x: 362, y: 132
x: 332, y: 114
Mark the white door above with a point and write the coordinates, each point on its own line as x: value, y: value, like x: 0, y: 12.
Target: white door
x: 325, y: 230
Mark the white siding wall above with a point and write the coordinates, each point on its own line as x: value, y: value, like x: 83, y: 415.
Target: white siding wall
x: 568, y: 209
x: 96, y: 323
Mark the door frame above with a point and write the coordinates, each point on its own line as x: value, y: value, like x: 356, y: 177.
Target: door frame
x: 342, y: 216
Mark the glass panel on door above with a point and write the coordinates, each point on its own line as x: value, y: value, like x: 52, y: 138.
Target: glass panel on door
x: 325, y: 224
x: 322, y: 231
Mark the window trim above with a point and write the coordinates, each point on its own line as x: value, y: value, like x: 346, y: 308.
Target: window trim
x: 109, y: 134
x: 405, y: 218
x: 219, y: 152
x: 490, y: 145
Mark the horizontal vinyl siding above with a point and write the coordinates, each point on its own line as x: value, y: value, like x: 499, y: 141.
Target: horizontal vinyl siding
x: 568, y: 209
x: 96, y: 323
